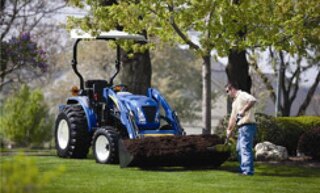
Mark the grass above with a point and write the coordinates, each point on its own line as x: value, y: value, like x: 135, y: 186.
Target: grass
x: 85, y: 176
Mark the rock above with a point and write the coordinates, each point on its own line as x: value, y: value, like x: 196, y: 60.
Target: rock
x: 267, y: 151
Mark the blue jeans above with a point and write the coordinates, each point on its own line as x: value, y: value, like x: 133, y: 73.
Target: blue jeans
x: 244, y: 148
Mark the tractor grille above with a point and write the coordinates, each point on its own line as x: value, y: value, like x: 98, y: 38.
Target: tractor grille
x: 150, y: 113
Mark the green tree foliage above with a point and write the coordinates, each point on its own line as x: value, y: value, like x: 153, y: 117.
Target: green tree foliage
x: 285, y: 24
x: 24, y: 118
x: 20, y: 174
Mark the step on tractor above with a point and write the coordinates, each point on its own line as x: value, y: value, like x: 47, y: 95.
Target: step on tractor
x: 134, y: 130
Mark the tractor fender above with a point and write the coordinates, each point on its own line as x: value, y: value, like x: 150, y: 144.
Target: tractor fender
x: 84, y: 102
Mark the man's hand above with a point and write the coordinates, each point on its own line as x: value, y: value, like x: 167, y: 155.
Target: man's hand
x: 229, y: 133
x: 246, y: 108
x: 239, y: 117
x: 241, y: 113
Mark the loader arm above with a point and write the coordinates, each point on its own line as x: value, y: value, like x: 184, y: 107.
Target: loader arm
x: 171, y: 115
x: 125, y: 114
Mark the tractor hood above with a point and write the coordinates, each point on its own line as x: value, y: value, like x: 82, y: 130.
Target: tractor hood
x: 145, y: 109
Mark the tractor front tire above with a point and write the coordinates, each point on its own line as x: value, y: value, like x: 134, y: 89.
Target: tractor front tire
x: 105, y: 145
x: 72, y: 138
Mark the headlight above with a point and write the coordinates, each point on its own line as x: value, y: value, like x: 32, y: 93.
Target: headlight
x: 141, y: 117
x: 157, y: 119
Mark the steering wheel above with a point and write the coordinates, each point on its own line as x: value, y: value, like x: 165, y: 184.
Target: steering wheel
x: 119, y: 88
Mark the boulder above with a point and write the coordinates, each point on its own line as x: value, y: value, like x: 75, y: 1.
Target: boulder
x: 267, y: 151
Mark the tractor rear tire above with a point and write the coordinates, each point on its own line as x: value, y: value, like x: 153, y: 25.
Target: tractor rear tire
x: 105, y: 145
x: 72, y: 138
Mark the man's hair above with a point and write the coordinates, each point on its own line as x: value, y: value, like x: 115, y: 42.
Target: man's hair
x: 233, y: 85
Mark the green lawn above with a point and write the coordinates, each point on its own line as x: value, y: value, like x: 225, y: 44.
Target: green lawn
x: 85, y: 176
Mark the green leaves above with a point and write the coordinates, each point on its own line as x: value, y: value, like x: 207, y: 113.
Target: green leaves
x: 285, y: 24
x: 20, y: 174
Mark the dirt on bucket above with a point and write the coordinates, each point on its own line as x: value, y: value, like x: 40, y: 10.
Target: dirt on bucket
x: 185, y: 151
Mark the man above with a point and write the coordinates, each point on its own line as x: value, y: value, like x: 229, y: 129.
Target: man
x: 242, y: 116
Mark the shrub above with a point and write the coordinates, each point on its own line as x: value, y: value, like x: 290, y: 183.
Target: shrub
x: 220, y: 129
x: 21, y: 175
x: 308, y: 122
x: 267, y: 129
x: 309, y: 143
x: 25, y: 119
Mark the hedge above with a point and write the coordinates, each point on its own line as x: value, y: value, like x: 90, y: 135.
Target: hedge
x: 285, y: 131
x: 309, y: 143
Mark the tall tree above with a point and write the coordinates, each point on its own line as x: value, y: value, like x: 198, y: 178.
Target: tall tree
x: 18, y: 16
x: 172, y: 22
x: 290, y: 29
x: 237, y: 69
x: 18, y: 55
x: 217, y: 24
x: 136, y: 70
x: 292, y: 70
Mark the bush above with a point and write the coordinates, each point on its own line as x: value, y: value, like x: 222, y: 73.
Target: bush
x: 291, y: 128
x: 284, y: 131
x: 21, y: 175
x: 220, y: 129
x: 25, y: 119
x: 267, y: 129
x: 309, y: 143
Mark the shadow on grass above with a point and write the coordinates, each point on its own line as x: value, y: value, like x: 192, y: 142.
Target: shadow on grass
x: 286, y: 171
x: 227, y: 166
x: 279, y: 170
x: 261, y: 169
x: 178, y: 169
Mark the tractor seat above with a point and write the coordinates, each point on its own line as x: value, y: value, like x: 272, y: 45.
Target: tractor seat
x: 95, y: 88
x: 90, y: 83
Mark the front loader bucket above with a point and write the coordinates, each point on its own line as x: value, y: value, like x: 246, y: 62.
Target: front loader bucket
x: 186, y: 151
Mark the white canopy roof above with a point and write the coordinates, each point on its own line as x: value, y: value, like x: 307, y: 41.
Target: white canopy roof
x: 113, y: 34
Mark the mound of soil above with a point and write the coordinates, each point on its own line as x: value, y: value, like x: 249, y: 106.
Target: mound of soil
x: 188, y: 151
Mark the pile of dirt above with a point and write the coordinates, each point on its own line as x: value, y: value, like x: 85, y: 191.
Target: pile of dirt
x: 187, y: 151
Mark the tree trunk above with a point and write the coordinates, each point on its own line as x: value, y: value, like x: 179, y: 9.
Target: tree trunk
x: 206, y: 94
x: 306, y: 102
x: 238, y: 70
x: 286, y: 108
x: 238, y: 66
x: 136, y: 72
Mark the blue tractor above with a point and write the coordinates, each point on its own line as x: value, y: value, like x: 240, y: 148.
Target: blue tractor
x: 101, y: 113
